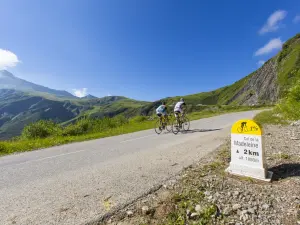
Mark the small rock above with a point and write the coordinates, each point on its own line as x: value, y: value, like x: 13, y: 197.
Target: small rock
x: 236, y: 207
x: 265, y: 206
x: 296, y: 123
x: 198, y: 208
x: 145, y: 210
x: 229, y: 194
x: 129, y: 213
x: 244, y: 216
x: 188, y: 212
x: 251, y: 211
x: 207, y: 193
x: 227, y: 211
x: 236, y: 193
x: 244, y: 212
x: 194, y: 215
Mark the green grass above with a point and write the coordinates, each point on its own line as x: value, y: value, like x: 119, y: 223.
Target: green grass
x: 269, y: 117
x: 136, y: 124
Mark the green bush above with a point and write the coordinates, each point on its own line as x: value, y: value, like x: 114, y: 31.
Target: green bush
x: 82, y: 126
x: 138, y: 119
x: 290, y: 106
x: 3, y: 148
x: 88, y: 125
x: 41, y: 129
x: 120, y: 120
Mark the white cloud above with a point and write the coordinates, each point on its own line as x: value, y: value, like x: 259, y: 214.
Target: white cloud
x: 272, y: 23
x: 80, y: 92
x: 108, y: 94
x: 296, y: 19
x: 273, y: 44
x: 7, y: 59
x: 261, y: 62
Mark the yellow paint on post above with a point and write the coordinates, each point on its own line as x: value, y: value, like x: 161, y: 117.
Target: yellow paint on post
x: 246, y: 127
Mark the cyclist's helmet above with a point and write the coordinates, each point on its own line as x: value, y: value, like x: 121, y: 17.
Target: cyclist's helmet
x: 182, y: 100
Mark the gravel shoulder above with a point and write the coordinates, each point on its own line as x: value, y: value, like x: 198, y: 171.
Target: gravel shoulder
x: 205, y: 194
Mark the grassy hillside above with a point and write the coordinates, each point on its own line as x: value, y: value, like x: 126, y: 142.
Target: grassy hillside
x: 18, y: 109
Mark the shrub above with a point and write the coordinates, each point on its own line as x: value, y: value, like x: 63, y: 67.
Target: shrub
x: 138, y: 119
x: 3, y: 148
x: 41, y: 129
x: 82, y: 126
x: 120, y: 120
x: 290, y: 106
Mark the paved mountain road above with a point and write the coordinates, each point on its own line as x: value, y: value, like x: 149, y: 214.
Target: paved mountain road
x: 69, y: 184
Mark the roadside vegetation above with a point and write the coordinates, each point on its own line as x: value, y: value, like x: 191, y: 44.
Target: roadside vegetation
x: 43, y: 134
x: 286, y: 111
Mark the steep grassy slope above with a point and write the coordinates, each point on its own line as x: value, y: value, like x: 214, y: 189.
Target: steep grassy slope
x: 288, y: 65
x: 264, y: 86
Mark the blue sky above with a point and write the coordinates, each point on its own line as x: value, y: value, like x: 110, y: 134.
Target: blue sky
x: 142, y: 49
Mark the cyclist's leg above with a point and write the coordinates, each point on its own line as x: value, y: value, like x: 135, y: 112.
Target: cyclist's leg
x: 177, y: 115
x: 160, y: 119
x: 164, y: 114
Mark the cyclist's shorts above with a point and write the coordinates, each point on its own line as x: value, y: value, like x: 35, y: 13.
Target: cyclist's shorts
x: 159, y: 114
x: 177, y: 112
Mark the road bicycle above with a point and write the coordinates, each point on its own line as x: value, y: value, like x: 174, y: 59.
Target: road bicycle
x: 180, y: 122
x: 163, y: 123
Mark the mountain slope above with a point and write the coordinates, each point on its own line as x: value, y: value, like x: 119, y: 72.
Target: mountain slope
x: 264, y: 86
x: 89, y: 97
x: 9, y: 81
x: 18, y: 109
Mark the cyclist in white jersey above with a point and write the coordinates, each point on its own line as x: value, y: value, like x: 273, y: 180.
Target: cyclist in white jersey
x: 178, y: 109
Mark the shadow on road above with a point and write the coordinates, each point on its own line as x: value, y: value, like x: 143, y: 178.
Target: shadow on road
x: 198, y: 130
x: 285, y: 171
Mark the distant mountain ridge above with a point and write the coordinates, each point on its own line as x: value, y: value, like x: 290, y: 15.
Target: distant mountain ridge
x: 89, y: 97
x: 22, y: 102
x: 9, y: 81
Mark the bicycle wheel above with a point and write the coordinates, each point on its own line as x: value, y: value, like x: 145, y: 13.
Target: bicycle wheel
x: 158, y: 128
x: 185, y: 124
x: 239, y: 130
x: 175, y: 126
x: 169, y: 124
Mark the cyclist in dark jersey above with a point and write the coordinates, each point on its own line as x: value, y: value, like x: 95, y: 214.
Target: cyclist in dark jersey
x: 161, y: 111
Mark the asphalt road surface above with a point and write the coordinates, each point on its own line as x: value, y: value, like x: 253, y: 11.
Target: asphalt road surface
x: 77, y: 183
